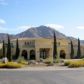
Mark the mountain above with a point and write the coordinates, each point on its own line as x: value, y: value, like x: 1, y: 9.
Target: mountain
x: 37, y: 32
x: 82, y: 41
x: 75, y: 40
x: 3, y: 36
x: 41, y: 31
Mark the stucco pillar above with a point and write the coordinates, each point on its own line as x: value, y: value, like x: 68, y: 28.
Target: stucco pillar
x: 67, y: 51
x: 20, y: 52
x: 28, y: 55
x: 37, y: 52
x: 67, y: 55
x: 51, y: 54
x: 58, y: 52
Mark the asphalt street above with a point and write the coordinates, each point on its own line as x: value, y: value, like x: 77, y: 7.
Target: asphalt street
x: 42, y: 77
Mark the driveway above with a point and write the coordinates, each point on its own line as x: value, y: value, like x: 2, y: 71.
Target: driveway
x: 42, y: 77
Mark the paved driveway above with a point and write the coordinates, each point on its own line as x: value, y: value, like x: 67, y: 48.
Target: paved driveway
x: 42, y: 77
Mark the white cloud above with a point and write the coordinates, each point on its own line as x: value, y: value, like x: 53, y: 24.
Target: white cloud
x: 80, y: 27
x: 2, y: 26
x: 2, y: 22
x: 3, y: 2
x: 16, y: 30
x: 55, y: 26
x: 24, y: 27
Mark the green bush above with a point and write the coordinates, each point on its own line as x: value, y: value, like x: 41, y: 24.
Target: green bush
x: 10, y: 65
x: 22, y: 61
x: 66, y: 63
x: 49, y: 61
x: 81, y: 57
x: 74, y: 63
x: 2, y: 65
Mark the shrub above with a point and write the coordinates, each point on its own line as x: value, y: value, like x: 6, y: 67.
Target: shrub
x: 57, y: 60
x: 83, y: 59
x: 49, y: 59
x: 13, y: 65
x: 10, y: 65
x: 49, y: 63
x: 66, y: 63
x: 74, y: 63
x: 2, y: 65
x: 22, y: 61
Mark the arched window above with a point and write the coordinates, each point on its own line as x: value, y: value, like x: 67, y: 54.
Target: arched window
x: 24, y: 54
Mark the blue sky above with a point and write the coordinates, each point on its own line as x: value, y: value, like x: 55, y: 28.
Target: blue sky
x: 66, y: 16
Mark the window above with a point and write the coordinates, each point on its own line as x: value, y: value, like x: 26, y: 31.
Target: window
x: 29, y: 43
x: 44, y: 53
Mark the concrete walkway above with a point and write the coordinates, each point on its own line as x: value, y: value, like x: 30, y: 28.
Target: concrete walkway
x: 43, y: 68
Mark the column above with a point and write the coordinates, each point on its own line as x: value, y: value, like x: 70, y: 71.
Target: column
x: 28, y: 55
x: 37, y: 54
x: 51, y: 54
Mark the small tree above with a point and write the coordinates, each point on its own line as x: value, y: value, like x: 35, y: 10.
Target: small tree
x: 17, y: 50
x: 55, y: 48
x: 3, y: 49
x: 9, y: 50
x: 79, y: 49
x: 72, y: 51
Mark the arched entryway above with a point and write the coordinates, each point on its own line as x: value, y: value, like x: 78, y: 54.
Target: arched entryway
x: 24, y: 54
x: 32, y: 55
x: 62, y: 54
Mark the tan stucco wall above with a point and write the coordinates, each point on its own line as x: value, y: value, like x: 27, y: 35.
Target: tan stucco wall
x: 62, y: 44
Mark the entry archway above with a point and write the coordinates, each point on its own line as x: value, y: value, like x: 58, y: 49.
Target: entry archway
x: 32, y: 55
x: 62, y: 54
x: 24, y: 54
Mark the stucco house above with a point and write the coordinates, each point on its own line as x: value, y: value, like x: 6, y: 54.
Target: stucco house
x: 37, y: 48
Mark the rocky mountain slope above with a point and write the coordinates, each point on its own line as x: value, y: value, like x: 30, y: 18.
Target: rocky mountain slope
x: 37, y: 32
x: 41, y: 31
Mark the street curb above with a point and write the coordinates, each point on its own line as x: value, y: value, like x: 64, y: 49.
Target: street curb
x: 42, y: 69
